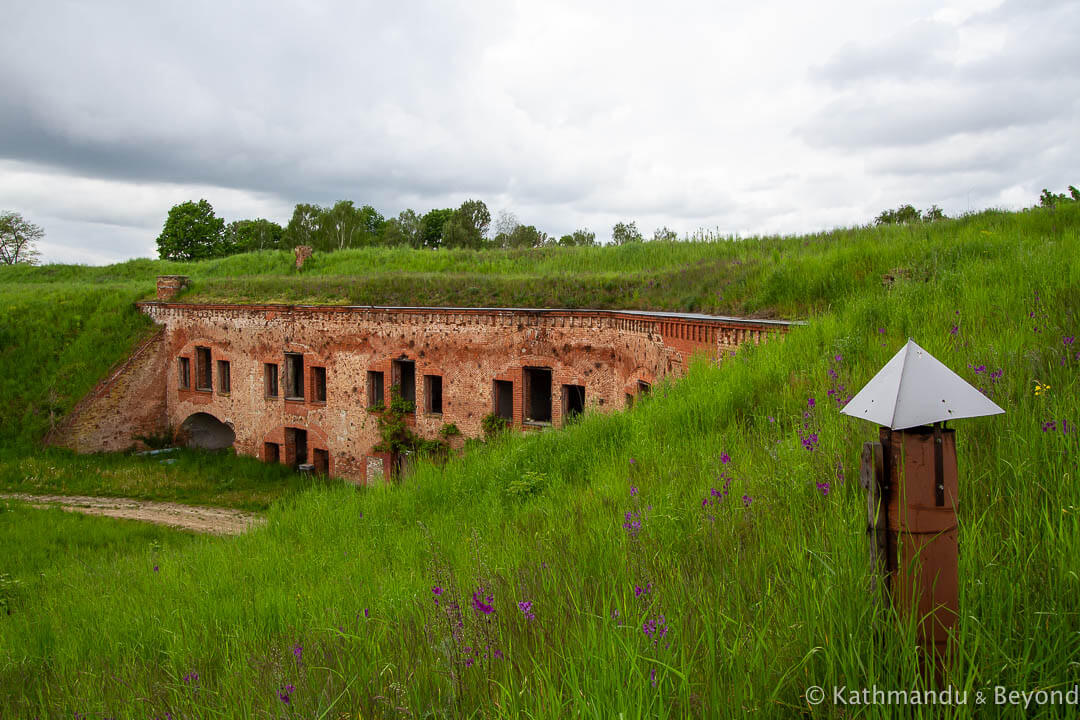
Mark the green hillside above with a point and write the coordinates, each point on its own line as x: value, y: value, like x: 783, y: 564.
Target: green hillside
x: 590, y: 571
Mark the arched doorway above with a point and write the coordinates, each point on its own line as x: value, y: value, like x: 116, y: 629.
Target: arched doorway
x: 204, y: 431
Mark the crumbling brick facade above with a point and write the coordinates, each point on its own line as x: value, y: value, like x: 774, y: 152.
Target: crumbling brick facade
x: 301, y: 378
x: 293, y: 384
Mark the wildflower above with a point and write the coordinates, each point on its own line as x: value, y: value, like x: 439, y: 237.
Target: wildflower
x: 436, y: 591
x: 824, y: 488
x: 655, y: 629
x: 810, y: 442
x: 498, y: 654
x: 481, y: 603
x: 1067, y: 341
x: 1049, y: 426
x: 747, y: 500
x: 639, y: 591
x: 298, y: 653
x: 366, y: 614
x: 632, y: 524
x: 652, y: 675
x: 725, y: 458
x: 469, y: 662
x: 811, y: 402
x: 633, y: 491
x: 632, y: 461
x: 772, y: 419
x: 954, y: 330
x: 155, y: 568
x: 525, y: 606
x: 191, y: 678
x: 286, y: 692
x: 1040, y: 389
x: 881, y: 331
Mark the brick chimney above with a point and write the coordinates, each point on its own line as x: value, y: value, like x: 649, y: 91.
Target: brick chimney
x: 168, y: 286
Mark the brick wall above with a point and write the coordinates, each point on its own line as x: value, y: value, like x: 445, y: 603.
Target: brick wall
x: 129, y: 402
x: 608, y: 353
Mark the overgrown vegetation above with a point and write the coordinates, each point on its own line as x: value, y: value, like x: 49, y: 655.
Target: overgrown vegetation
x: 703, y: 555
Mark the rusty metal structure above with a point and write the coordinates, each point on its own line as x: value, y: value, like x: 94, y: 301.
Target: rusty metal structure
x: 912, y: 485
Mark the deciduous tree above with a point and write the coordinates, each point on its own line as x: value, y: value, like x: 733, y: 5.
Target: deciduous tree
x: 192, y: 232
x: 18, y: 240
x: 624, y: 233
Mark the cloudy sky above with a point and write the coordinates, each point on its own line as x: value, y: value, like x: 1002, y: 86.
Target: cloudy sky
x: 741, y: 117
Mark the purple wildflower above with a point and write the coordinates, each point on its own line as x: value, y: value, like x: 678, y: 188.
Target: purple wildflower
x: 811, y: 402
x: 652, y: 675
x: 1049, y: 426
x: 285, y: 693
x: 298, y: 652
x: 632, y: 523
x: 155, y: 568
x: 191, y: 678
x: 747, y: 500
x: 810, y: 442
x: 481, y: 603
x: 366, y: 613
x: 633, y: 491
x: 824, y: 488
x: 725, y: 458
x: 1068, y: 340
x: 469, y: 662
x: 655, y: 629
x: 954, y: 330
x: 525, y: 606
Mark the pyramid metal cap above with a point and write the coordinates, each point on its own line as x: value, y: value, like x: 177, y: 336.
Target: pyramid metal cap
x: 915, y: 388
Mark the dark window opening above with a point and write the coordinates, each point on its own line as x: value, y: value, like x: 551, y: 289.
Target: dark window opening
x: 433, y: 394
x: 321, y: 460
x: 504, y: 400
x: 203, y: 372
x: 374, y: 389
x: 294, y: 376
x: 404, y: 376
x: 224, y: 377
x: 270, y: 379
x: 537, y: 395
x: 295, y: 446
x: 183, y: 372
x: 643, y: 388
x: 272, y: 452
x: 629, y: 400
x: 318, y: 384
x: 573, y: 401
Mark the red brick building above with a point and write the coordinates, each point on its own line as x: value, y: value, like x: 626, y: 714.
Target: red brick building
x: 294, y: 384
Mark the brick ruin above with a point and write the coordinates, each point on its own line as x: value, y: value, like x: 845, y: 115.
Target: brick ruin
x: 294, y: 384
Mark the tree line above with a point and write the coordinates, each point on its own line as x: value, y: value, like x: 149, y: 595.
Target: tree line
x: 192, y: 230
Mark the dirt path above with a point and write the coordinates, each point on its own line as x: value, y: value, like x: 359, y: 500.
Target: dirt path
x: 218, y: 521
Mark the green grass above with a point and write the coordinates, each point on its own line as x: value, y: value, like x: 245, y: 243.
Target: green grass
x: 185, y: 476
x: 760, y: 600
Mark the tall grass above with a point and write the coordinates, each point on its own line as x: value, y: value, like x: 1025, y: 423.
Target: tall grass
x: 760, y: 596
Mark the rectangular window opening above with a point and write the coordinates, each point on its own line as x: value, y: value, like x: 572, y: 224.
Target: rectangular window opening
x: 203, y: 372
x: 537, y: 395
x: 433, y: 394
x: 270, y: 380
x: 643, y: 388
x: 183, y: 372
x: 504, y: 400
x: 295, y: 447
x: 404, y: 376
x: 224, y: 377
x: 375, y: 389
x: 321, y: 460
x: 271, y: 452
x: 573, y: 401
x: 294, y: 376
x: 318, y: 384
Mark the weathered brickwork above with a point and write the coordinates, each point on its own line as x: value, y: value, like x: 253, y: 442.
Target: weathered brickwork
x: 129, y: 403
x: 611, y: 355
